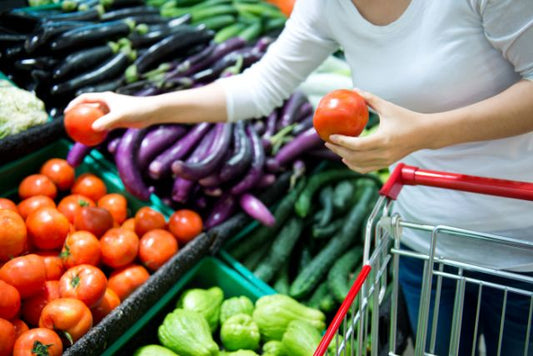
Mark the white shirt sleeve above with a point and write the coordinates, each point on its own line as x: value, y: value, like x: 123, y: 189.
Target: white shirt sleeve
x: 301, y: 47
x: 508, y: 25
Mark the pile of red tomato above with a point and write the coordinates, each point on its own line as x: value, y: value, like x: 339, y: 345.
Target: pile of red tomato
x: 70, y: 252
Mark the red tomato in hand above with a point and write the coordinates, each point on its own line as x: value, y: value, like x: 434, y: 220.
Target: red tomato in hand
x: 70, y: 204
x: 13, y: 234
x: 78, y: 124
x: 81, y: 247
x: 34, y: 203
x: 125, y: 280
x: 9, y: 301
x: 116, y: 204
x: 26, y: 273
x: 342, y: 112
x: 185, y: 225
x: 60, y: 172
x: 147, y: 219
x: 156, y: 247
x: 119, y: 247
x: 38, y: 341
x: 8, y: 204
x: 33, y: 306
x: 53, y: 265
x: 47, y: 228
x: 37, y: 184
x: 94, y: 220
x: 7, y: 337
x: 90, y: 186
x: 69, y: 315
x: 84, y: 282
x: 109, y: 302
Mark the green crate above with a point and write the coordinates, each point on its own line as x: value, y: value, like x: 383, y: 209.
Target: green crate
x: 209, y: 272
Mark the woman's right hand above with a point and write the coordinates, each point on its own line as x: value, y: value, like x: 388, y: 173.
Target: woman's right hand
x: 121, y: 110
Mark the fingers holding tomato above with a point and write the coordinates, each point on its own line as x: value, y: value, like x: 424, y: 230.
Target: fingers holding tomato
x: 78, y: 122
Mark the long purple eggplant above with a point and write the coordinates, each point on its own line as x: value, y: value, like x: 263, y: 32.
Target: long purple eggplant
x: 242, y: 155
x: 324, y: 153
x: 243, y: 58
x: 204, y: 167
x: 223, y: 208
x: 158, y: 139
x: 290, y: 110
x: 160, y: 166
x: 262, y: 43
x: 270, y: 130
x: 253, y: 176
x: 306, y: 110
x: 303, y: 125
x: 126, y: 162
x: 77, y: 153
x: 305, y: 141
x: 256, y: 209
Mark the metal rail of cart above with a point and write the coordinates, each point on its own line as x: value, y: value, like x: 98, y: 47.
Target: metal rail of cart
x: 356, y: 328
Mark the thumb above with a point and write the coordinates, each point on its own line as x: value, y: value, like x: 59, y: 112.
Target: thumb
x: 374, y: 101
x: 106, y: 122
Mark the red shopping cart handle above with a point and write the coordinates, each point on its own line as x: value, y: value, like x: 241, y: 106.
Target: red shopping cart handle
x: 409, y: 175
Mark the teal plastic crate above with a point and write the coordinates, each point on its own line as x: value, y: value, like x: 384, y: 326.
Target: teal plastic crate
x: 209, y: 272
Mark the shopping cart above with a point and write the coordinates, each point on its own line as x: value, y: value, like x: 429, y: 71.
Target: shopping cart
x: 357, y: 328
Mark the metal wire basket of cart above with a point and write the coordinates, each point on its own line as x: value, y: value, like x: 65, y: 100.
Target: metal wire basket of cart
x: 357, y: 329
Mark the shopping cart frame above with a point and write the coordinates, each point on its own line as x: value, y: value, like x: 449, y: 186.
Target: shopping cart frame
x: 383, y: 236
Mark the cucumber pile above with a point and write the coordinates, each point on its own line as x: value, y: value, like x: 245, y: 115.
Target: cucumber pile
x: 314, y: 251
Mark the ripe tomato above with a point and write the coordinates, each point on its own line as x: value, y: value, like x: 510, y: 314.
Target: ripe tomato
x: 69, y: 315
x: 185, y: 225
x: 37, y: 184
x: 33, y: 306
x: 147, y: 219
x: 47, y: 228
x: 119, y: 247
x: 7, y: 337
x: 38, y: 341
x: 70, y: 204
x: 95, y: 220
x: 90, y: 186
x: 9, y: 301
x: 125, y: 280
x: 13, y: 234
x: 20, y: 327
x: 116, y: 204
x: 26, y: 273
x: 156, y: 247
x: 81, y: 247
x: 60, y: 172
x: 341, y: 112
x: 285, y: 6
x: 53, y: 265
x: 129, y: 224
x: 6, y: 203
x: 78, y: 124
x: 84, y: 282
x: 109, y: 302
x: 31, y: 204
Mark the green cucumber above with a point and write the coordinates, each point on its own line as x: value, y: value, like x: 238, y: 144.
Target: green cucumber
x: 339, y: 280
x: 343, y: 194
x: 218, y: 22
x: 198, y: 15
x: 262, y: 9
x: 324, y: 232
x: 281, y: 283
x: 325, y: 197
x: 228, y: 32
x: 320, y: 292
x: 252, y: 32
x: 254, y: 258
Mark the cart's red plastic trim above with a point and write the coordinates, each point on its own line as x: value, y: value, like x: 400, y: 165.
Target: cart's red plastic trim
x: 409, y: 175
x: 341, y: 313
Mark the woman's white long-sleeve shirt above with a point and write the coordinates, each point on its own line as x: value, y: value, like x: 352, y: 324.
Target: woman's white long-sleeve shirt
x: 439, y: 55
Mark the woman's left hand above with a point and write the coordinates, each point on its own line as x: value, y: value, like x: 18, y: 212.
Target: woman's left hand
x: 400, y: 132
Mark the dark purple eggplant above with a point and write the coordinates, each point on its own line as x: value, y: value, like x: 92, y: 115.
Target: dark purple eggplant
x: 43, y: 63
x: 92, y: 14
x: 242, y: 155
x: 82, y: 60
x: 76, y: 154
x: 260, y: 127
x: 161, y: 165
x: 306, y: 110
x: 91, y: 34
x: 126, y: 162
x: 112, y: 145
x: 157, y: 140
x: 49, y: 30
x: 152, y: 36
x: 108, y: 85
x: 118, y: 4
x: 128, y: 12
x: 270, y: 129
x: 256, y: 209
x: 222, y: 210
x: 324, y: 153
x: 202, y: 168
x: 109, y: 69
x: 212, y: 180
x: 19, y: 21
x: 7, y: 39
x: 289, y: 112
x: 189, y: 65
x: 305, y: 141
x: 266, y: 181
x: 262, y: 43
x: 219, y: 51
x: 253, y: 176
x: 303, y: 125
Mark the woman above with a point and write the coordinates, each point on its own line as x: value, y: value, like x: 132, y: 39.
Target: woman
x: 451, y: 81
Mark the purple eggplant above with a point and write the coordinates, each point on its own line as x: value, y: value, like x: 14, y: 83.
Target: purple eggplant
x: 204, y: 167
x: 303, y: 125
x: 160, y: 166
x: 305, y: 141
x: 270, y: 130
x: 262, y: 43
x: 223, y: 209
x: 266, y: 181
x: 77, y: 153
x: 234, y: 62
x: 126, y: 162
x: 290, y: 110
x: 156, y: 140
x: 112, y: 145
x: 242, y: 155
x: 324, y: 153
x: 306, y: 110
x: 256, y: 209
x: 187, y: 66
x: 253, y: 176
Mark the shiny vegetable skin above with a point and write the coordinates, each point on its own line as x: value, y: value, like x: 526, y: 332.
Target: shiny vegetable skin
x: 222, y: 210
x: 256, y: 209
x: 90, y: 34
x: 82, y: 60
x: 126, y: 161
x: 77, y: 153
x: 49, y: 30
x: 241, y: 157
x: 156, y: 140
x: 127, y: 12
x: 256, y: 170
x: 305, y: 141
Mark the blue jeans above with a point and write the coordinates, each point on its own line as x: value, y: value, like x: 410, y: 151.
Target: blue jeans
x: 516, y: 315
